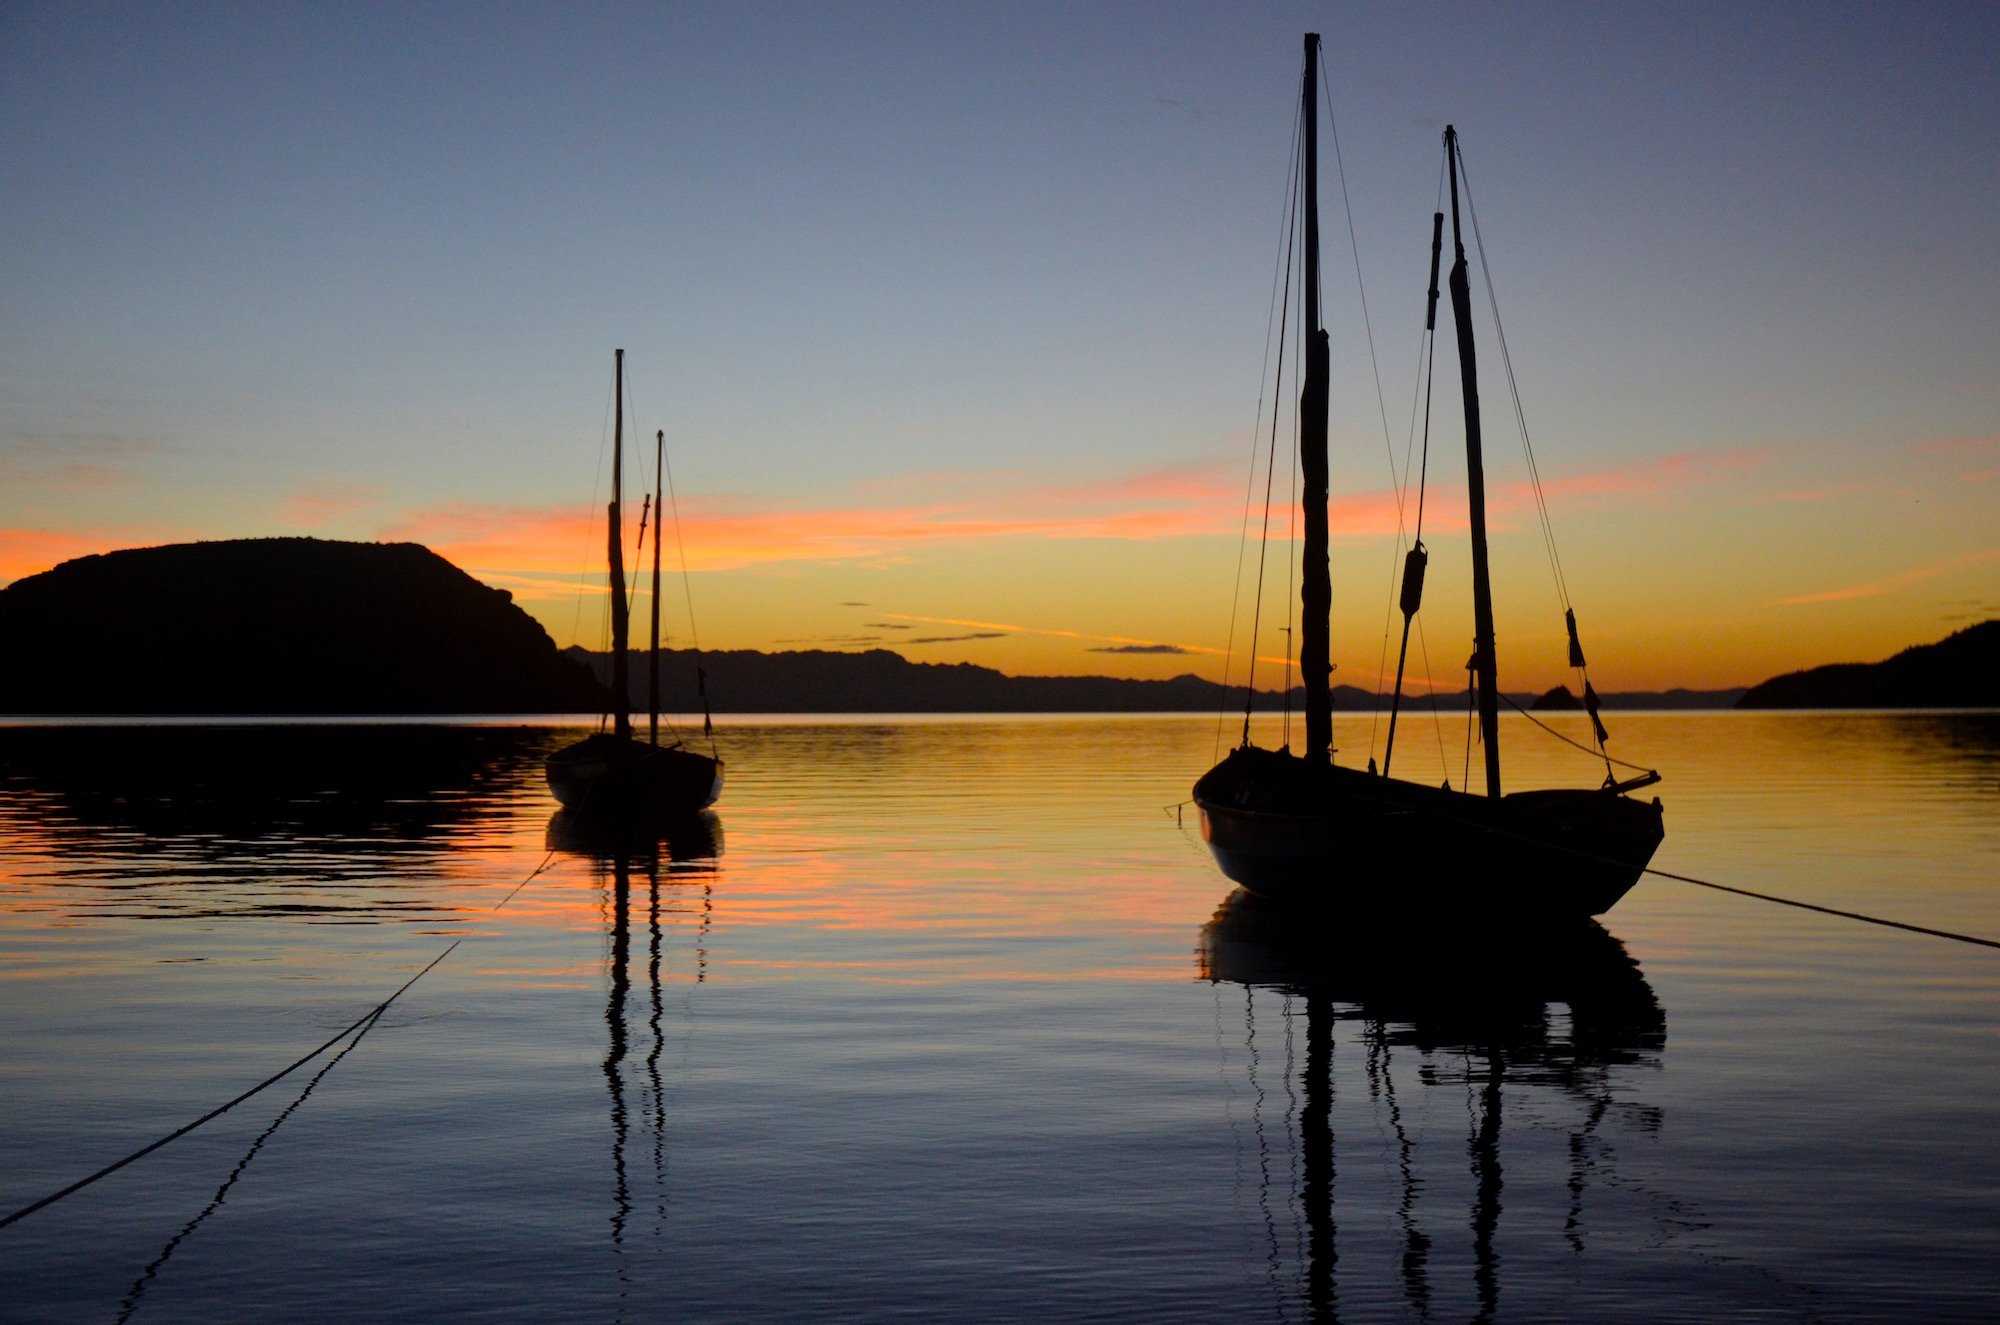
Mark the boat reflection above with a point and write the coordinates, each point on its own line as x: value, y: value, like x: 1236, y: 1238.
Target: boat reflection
x: 687, y: 839
x: 674, y: 861
x: 1478, y: 1010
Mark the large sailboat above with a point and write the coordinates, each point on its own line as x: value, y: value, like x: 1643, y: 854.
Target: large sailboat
x: 1302, y: 828
x: 613, y: 774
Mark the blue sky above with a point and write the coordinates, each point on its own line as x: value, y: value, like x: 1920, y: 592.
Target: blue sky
x: 991, y: 281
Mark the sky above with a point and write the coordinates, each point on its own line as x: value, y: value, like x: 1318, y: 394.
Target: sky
x: 955, y: 316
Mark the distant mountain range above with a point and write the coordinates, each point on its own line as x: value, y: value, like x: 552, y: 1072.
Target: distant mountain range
x: 879, y: 681
x: 301, y: 625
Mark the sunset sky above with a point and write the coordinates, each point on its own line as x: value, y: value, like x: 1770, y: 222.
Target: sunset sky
x: 954, y: 315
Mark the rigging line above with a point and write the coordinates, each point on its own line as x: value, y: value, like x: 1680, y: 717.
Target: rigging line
x: 687, y: 581
x: 1594, y: 752
x: 1360, y: 285
x: 1420, y: 390
x: 215, y: 1113
x: 1514, y: 390
x: 638, y: 555
x: 1278, y: 268
x: 596, y: 486
x: 1401, y: 479
x: 1430, y: 690
x: 1271, y: 462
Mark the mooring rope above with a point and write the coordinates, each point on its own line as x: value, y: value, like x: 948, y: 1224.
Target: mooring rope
x: 1828, y: 910
x: 215, y: 1113
x: 367, y: 1018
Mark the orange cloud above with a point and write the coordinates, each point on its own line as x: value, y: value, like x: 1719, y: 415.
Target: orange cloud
x: 720, y: 533
x: 25, y: 552
x: 1888, y: 583
x: 943, y: 507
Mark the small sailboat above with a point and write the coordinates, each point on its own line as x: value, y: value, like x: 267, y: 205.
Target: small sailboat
x: 614, y: 775
x: 1301, y: 828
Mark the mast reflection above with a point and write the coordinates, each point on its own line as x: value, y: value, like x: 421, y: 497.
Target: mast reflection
x: 1477, y: 1009
x: 681, y: 854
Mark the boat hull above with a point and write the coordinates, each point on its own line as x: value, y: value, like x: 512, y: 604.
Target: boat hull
x: 1340, y: 837
x: 602, y: 775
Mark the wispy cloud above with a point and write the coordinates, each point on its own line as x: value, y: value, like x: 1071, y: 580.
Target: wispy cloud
x: 1835, y: 491
x: 725, y: 532
x: 955, y: 639
x: 1901, y: 580
x: 1988, y: 444
x: 316, y: 505
x: 890, y: 517
x: 70, y: 461
x: 1140, y: 648
x: 1006, y: 628
x: 1654, y: 481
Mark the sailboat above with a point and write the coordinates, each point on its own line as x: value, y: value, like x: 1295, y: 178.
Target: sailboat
x: 614, y: 775
x: 1301, y: 828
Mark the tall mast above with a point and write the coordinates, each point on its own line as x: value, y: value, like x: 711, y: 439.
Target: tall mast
x: 1316, y: 585
x: 1484, y: 666
x: 653, y: 672
x: 621, y: 625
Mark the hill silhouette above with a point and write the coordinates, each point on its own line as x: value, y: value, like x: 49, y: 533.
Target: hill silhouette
x: 1960, y: 671
x: 276, y: 625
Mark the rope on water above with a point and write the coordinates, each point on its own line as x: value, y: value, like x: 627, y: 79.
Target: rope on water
x: 1827, y: 910
x: 109, y: 1169
x: 367, y: 1018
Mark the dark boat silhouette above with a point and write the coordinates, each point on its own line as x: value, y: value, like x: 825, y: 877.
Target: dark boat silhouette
x: 614, y: 774
x: 1301, y: 828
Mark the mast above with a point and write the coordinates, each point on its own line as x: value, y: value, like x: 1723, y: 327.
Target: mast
x: 1316, y: 585
x: 653, y: 666
x: 621, y: 625
x: 1484, y: 666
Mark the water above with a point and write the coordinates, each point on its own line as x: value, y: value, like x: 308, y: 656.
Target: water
x: 950, y: 1019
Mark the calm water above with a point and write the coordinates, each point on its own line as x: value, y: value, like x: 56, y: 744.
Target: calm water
x: 950, y: 1020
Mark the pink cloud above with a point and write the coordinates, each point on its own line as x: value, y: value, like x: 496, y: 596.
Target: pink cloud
x: 1652, y: 480
x: 1888, y: 583
x: 1954, y: 446
x: 1834, y: 491
x: 1193, y: 500
x: 721, y: 532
